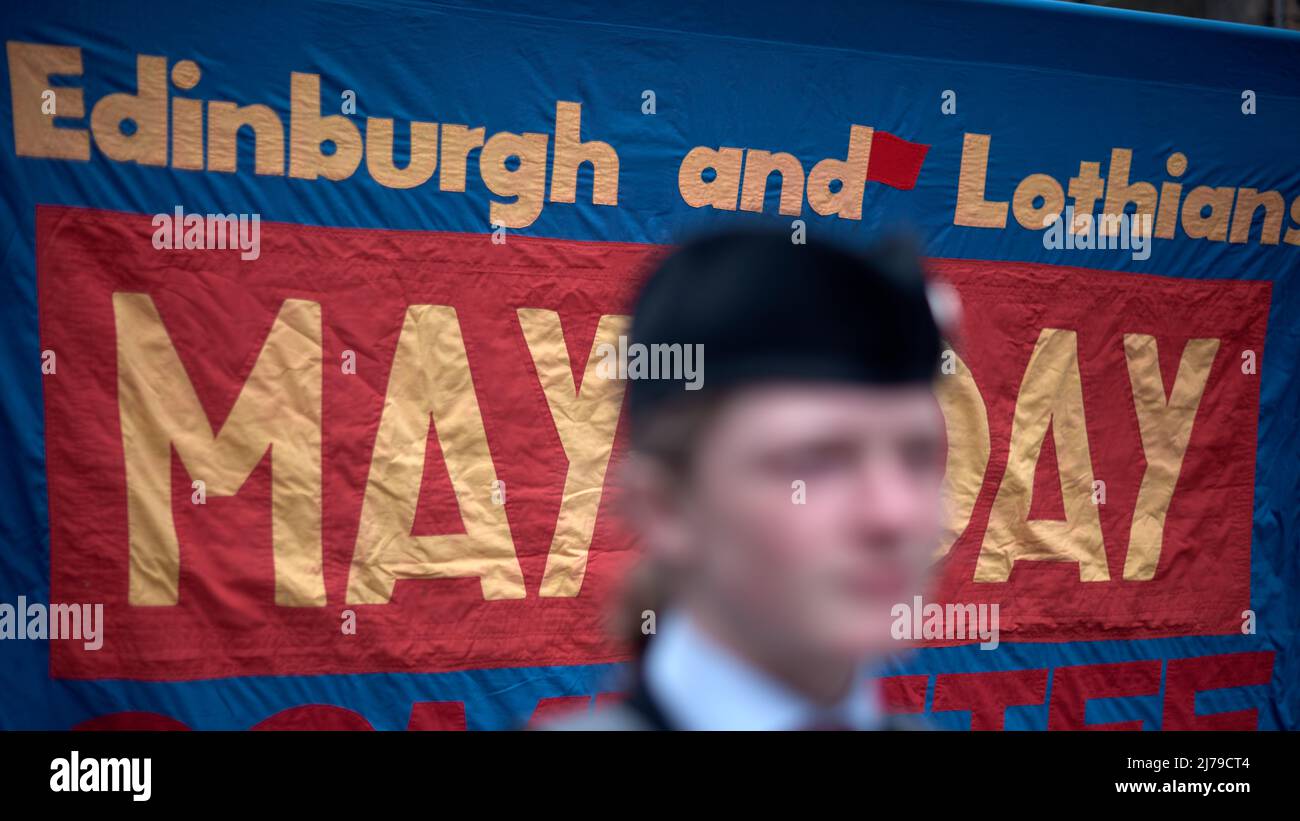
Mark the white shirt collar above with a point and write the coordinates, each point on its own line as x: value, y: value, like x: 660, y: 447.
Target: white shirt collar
x: 702, y: 685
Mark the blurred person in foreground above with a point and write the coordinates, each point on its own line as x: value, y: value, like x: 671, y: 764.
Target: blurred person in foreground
x: 785, y: 506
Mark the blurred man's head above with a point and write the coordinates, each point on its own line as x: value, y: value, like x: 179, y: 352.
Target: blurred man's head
x: 795, y: 497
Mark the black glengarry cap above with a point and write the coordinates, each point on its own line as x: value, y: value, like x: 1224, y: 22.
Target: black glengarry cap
x: 765, y: 309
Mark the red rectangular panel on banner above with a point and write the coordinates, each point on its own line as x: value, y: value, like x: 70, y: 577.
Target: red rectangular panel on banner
x: 218, y: 310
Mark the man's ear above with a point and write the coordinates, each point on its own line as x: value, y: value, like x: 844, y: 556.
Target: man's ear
x: 653, y: 503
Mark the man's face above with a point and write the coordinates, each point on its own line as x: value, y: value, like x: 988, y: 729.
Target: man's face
x: 814, y: 509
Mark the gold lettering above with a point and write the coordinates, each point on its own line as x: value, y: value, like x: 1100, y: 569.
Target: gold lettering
x: 308, y: 129
x: 379, y: 153
x: 1166, y: 428
x: 147, y: 109
x: 30, y: 67
x: 224, y: 122
x: 457, y: 142
x: 571, y: 152
x: 759, y: 165
x: 972, y: 209
x: 586, y: 420
x: 967, y: 422
x: 430, y: 378
x: 721, y: 191
x: 279, y: 407
x: 1051, y: 393
x: 527, y: 182
x: 852, y: 174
